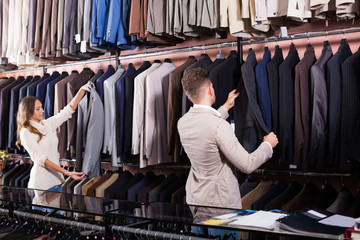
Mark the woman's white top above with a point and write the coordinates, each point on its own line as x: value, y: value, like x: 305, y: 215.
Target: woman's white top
x: 47, y: 148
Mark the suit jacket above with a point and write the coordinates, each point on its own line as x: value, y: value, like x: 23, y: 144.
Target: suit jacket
x: 119, y: 111
x: 50, y: 92
x: 100, y: 81
x: 174, y: 108
x: 262, y: 87
x: 60, y: 28
x: 334, y: 81
x: 289, y: 193
x: 350, y: 109
x: 203, y: 62
x: 342, y: 203
x: 302, y: 108
x: 60, y: 102
x: 165, y: 194
x: 135, y: 189
x: 143, y: 194
x: 286, y: 105
x: 23, y: 89
x: 273, y: 76
x: 277, y: 188
x: 46, y: 34
x: 22, y: 176
x: 4, y: 112
x: 319, y: 103
x: 72, y: 88
x: 215, y: 63
x: 182, y: 19
x: 42, y: 86
x: 5, y: 19
x: 354, y: 209
x: 128, y: 111
x: 100, y: 190
x: 302, y: 199
x: 92, y: 190
x: 247, y: 186
x: 39, y: 25
x: 255, y: 194
x: 249, y: 124
x: 224, y: 78
x: 1, y: 22
x: 18, y: 173
x: 31, y: 25
x: 70, y: 27
x: 14, y: 104
x: 214, y: 152
x: 90, y: 130
x: 31, y: 89
x: 154, y: 194
x: 86, y: 186
x: 121, y: 181
x: 156, y: 102
x: 325, y: 198
x: 122, y: 193
x: 54, y: 26
x: 110, y: 144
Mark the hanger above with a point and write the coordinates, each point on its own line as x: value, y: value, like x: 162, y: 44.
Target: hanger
x: 249, y: 44
x: 326, y: 42
x: 157, y: 61
x: 219, y: 55
x: 266, y: 45
x: 308, y: 41
x: 168, y: 60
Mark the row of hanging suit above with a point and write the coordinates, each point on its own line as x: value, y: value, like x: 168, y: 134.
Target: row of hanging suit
x: 311, y: 104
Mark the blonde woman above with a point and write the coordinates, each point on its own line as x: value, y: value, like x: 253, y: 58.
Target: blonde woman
x: 39, y: 138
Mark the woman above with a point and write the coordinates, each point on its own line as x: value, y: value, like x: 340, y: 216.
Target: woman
x: 39, y: 138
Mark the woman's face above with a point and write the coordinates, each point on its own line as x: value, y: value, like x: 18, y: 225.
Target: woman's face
x: 38, y: 114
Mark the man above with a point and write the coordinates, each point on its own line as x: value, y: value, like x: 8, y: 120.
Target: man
x: 213, y: 148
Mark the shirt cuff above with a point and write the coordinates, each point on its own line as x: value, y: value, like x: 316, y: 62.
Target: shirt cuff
x: 269, y: 145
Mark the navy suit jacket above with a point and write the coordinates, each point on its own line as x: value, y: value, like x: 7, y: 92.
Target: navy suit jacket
x: 120, y: 105
x: 23, y: 89
x: 133, y: 191
x: 262, y: 87
x: 99, y: 84
x: 50, y: 92
x: 41, y: 87
x: 31, y: 89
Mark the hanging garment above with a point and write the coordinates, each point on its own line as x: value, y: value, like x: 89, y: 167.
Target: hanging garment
x: 273, y: 76
x: 90, y: 133
x: 255, y: 194
x: 289, y: 193
x: 334, y: 81
x: 319, y: 106
x: 32, y: 88
x: 286, y: 105
x: 262, y: 87
x: 325, y: 198
x: 342, y: 203
x: 41, y: 87
x: 50, y: 92
x: 307, y: 194
x: 250, y: 128
x: 275, y: 190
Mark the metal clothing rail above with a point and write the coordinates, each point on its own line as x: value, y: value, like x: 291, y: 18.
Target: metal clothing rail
x: 298, y: 173
x: 121, y: 230
x: 303, y: 35
x: 134, y: 55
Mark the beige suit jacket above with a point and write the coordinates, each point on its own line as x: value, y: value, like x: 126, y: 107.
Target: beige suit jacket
x: 214, y: 150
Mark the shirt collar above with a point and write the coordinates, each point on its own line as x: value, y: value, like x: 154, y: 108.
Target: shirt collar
x: 204, y: 106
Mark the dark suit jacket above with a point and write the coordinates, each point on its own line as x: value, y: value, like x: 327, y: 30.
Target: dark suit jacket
x: 277, y: 188
x: 350, y: 108
x: 41, y: 87
x: 25, y: 180
x: 120, y: 182
x: 224, y: 78
x: 128, y: 112
x: 247, y: 186
x: 174, y: 108
x: 31, y: 25
x: 100, y: 81
x: 302, y: 199
x: 23, y: 89
x: 354, y: 210
x: 262, y: 88
x: 14, y: 104
x: 122, y: 193
x: 273, y: 77
x: 319, y: 103
x: 165, y: 194
x: 213, y: 65
x: 22, y: 176
x: 38, y: 25
x: 286, y: 105
x: 4, y: 111
x: 325, y: 198
x: 334, y: 81
x: 70, y: 26
x: 133, y: 191
x: 154, y: 194
x: 342, y: 203
x: 290, y: 192
x: 31, y: 89
x: 203, y: 62
x: 49, y: 98
x: 143, y: 195
x: 250, y: 127
x: 17, y: 169
x: 18, y: 173
x: 120, y: 109
x: 302, y: 108
x: 72, y: 87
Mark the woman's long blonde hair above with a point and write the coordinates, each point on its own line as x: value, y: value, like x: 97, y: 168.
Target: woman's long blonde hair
x: 24, y: 114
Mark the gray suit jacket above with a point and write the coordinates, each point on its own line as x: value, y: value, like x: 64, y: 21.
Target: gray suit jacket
x: 319, y: 103
x: 38, y: 25
x: 5, y: 19
x: 60, y: 28
x: 90, y: 131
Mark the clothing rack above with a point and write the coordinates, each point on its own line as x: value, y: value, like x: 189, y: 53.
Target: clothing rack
x: 120, y: 57
x: 298, y: 173
x: 86, y: 226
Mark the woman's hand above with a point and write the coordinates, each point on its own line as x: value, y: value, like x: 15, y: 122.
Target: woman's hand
x: 231, y: 100
x: 88, y: 86
x: 77, y: 175
x: 85, y: 88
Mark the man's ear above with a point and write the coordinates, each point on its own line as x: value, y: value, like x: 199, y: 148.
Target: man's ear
x: 209, y: 90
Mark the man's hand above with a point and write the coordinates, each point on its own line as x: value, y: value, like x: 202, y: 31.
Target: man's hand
x: 231, y: 100
x: 272, y: 139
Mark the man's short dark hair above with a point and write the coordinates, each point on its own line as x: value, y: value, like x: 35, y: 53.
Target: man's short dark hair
x: 193, y: 80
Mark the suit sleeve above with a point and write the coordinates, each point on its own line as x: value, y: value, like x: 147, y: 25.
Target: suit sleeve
x: 224, y: 113
x: 236, y: 154
x: 58, y: 119
x: 29, y: 141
